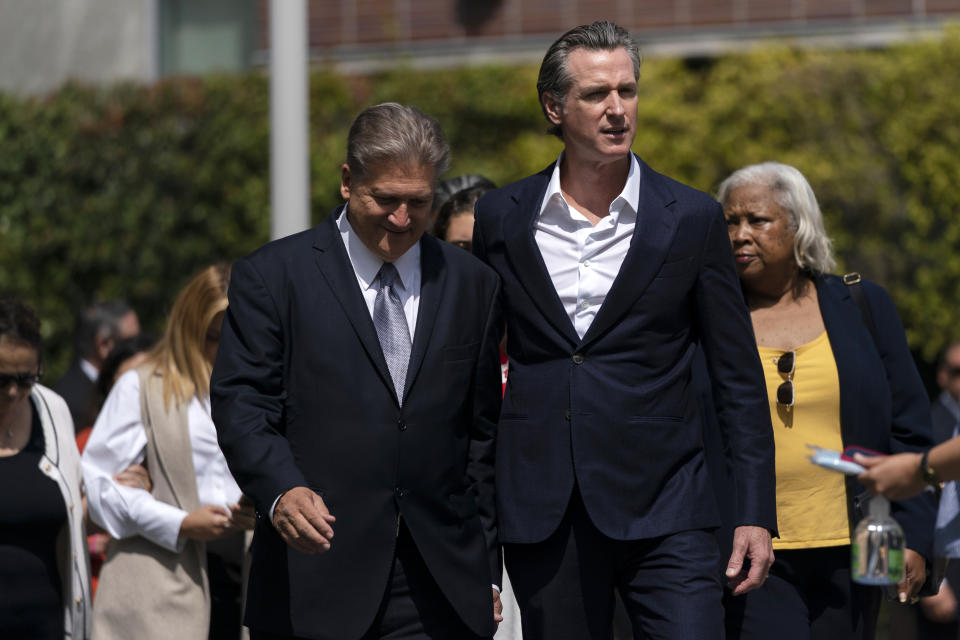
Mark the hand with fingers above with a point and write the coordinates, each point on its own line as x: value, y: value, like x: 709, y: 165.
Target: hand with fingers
x: 497, y: 607
x: 209, y: 522
x: 135, y: 476
x: 914, y: 575
x: 897, y: 477
x: 751, y: 543
x: 303, y: 521
x: 242, y: 515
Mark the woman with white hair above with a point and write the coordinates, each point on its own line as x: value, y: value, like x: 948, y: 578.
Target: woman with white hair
x: 838, y: 373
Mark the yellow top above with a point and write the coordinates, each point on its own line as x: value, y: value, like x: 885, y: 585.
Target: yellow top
x: 811, y: 501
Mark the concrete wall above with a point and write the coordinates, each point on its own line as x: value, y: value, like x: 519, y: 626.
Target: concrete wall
x: 44, y: 43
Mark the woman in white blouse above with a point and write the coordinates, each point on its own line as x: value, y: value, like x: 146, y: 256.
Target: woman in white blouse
x: 154, y: 582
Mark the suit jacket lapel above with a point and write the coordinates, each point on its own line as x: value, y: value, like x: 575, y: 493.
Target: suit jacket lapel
x: 334, y: 264
x: 433, y: 276
x: 528, y: 264
x: 841, y: 317
x: 652, y: 236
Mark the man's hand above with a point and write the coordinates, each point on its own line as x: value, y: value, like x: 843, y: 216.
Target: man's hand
x: 303, y: 521
x: 242, y: 515
x: 497, y: 607
x: 207, y: 523
x: 914, y: 575
x: 135, y: 476
x: 753, y: 543
x: 897, y: 477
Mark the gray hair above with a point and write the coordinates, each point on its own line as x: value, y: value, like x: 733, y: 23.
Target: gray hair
x: 394, y: 133
x: 98, y: 320
x: 554, y: 77
x: 812, y: 248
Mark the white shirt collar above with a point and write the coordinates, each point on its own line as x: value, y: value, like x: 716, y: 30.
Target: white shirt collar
x: 89, y: 370
x: 629, y: 196
x: 367, y: 265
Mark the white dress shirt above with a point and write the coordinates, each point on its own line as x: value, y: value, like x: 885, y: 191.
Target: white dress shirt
x: 583, y: 260
x: 366, y: 266
x: 89, y: 370
x: 119, y: 440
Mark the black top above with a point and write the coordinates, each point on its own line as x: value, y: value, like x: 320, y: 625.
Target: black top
x: 32, y: 513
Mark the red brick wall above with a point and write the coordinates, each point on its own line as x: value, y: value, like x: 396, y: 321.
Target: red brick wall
x: 385, y: 22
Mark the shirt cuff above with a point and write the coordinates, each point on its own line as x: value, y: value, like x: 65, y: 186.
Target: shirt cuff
x: 164, y: 528
x: 274, y: 506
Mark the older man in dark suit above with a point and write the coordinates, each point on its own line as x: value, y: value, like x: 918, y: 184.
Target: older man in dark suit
x: 612, y: 275
x: 356, y: 391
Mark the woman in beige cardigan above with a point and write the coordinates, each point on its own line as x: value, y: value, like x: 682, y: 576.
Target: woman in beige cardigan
x: 44, y: 575
x: 154, y: 582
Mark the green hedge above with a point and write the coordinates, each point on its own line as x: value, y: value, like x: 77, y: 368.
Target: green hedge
x: 125, y: 191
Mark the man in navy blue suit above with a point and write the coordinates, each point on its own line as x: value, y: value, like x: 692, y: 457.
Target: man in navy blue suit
x: 356, y: 392
x: 612, y: 277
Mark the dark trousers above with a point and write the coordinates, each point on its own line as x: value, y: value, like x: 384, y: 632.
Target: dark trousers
x: 413, y: 607
x: 808, y: 595
x: 224, y: 572
x: 565, y: 585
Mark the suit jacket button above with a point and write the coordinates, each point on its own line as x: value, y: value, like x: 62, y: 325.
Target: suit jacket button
x: 578, y: 358
x: 400, y: 492
x: 402, y: 425
x: 567, y: 415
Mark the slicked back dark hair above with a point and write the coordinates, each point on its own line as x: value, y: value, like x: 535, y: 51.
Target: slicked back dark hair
x: 554, y: 77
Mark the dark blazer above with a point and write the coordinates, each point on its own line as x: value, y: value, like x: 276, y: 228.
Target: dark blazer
x: 302, y: 395
x: 615, y: 412
x: 883, y: 403
x: 81, y: 395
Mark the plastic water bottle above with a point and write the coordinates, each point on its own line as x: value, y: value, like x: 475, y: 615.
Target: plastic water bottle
x: 876, y: 553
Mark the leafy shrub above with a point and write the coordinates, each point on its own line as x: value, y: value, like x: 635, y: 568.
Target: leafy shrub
x: 124, y: 191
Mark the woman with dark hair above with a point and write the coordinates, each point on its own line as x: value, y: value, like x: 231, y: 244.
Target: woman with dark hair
x: 44, y: 576
x: 446, y: 189
x: 455, y: 218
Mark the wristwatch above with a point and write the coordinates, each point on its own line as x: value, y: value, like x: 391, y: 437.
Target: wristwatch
x: 926, y: 471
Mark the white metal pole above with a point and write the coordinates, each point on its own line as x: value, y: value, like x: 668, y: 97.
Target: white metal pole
x: 289, y: 120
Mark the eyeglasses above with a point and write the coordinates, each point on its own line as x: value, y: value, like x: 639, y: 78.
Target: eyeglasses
x: 785, y: 365
x: 22, y: 380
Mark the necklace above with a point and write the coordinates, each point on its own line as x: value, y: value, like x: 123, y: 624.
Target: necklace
x: 8, y: 430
